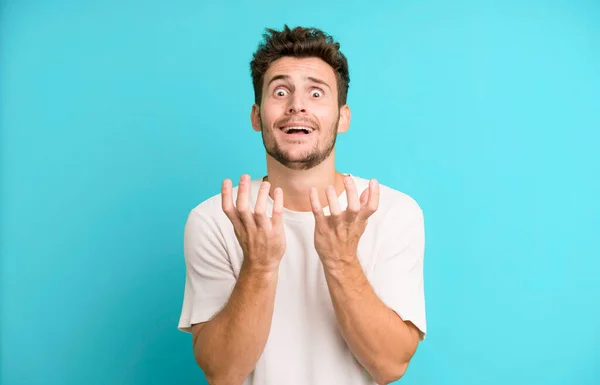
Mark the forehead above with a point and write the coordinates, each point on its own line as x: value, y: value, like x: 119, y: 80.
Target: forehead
x: 300, y: 68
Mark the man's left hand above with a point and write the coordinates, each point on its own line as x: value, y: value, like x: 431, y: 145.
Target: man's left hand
x: 337, y: 235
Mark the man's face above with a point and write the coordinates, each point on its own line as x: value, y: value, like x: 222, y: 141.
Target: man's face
x: 299, y: 115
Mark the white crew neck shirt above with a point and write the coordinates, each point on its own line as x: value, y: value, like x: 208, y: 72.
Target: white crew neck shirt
x: 305, y: 345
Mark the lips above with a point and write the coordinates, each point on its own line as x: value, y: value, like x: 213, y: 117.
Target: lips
x: 290, y: 130
x: 298, y: 127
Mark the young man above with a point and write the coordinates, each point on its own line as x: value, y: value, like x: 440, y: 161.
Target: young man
x: 307, y: 275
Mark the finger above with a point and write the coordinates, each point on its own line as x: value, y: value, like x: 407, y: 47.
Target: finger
x: 364, y: 197
x: 316, y: 205
x: 227, y: 204
x: 373, y: 203
x: 352, y: 195
x: 243, y: 201
x: 277, y: 217
x: 334, y: 205
x: 260, y: 209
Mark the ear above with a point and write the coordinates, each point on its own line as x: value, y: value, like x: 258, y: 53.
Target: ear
x: 345, y: 116
x: 255, y: 117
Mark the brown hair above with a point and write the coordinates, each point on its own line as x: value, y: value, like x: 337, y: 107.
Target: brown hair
x: 300, y: 43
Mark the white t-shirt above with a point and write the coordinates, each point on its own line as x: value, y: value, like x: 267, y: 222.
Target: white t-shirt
x: 304, y: 344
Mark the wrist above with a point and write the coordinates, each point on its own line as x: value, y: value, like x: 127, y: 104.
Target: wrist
x: 259, y: 270
x: 340, y: 263
x: 343, y: 267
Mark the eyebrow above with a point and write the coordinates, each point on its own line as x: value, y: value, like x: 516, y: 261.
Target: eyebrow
x: 287, y: 77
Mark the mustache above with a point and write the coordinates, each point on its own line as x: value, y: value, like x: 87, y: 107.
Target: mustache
x: 299, y: 120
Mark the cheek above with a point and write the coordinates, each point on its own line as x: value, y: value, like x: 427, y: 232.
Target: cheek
x: 327, y: 117
x: 272, y: 112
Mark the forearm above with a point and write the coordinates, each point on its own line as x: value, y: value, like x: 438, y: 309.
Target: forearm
x: 379, y: 339
x: 228, y: 347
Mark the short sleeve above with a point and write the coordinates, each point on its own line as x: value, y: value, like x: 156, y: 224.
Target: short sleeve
x: 209, y: 278
x: 398, y: 272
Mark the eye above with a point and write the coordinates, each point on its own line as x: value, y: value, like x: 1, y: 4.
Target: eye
x: 316, y: 93
x: 280, y: 92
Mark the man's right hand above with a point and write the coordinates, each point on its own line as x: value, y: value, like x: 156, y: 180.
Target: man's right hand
x: 262, y: 238
x: 228, y: 346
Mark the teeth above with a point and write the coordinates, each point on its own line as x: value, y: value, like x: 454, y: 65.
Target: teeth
x: 287, y: 129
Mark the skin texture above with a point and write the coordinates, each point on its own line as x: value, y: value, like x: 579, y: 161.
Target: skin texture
x: 301, y: 177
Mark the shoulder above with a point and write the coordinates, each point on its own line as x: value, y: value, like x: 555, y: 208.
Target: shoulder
x: 211, y: 207
x: 394, y: 205
x: 210, y: 211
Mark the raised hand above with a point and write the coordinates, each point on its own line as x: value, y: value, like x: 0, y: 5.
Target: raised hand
x: 262, y: 238
x: 337, y: 235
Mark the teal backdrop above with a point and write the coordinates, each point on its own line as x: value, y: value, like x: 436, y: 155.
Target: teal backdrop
x: 118, y: 117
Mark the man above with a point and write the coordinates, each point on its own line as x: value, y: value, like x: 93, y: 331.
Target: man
x: 307, y: 275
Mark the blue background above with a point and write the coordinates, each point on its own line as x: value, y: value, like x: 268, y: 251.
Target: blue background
x: 118, y: 117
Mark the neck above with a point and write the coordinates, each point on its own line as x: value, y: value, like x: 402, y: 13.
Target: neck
x: 296, y: 184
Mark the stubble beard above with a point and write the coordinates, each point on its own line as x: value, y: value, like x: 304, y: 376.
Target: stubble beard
x: 309, y: 159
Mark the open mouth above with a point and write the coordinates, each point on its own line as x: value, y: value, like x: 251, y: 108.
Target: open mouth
x: 297, y: 130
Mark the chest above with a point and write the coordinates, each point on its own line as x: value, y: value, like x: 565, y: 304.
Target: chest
x: 301, y: 274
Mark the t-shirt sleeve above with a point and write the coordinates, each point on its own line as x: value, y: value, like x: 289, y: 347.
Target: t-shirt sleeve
x: 209, y: 278
x: 398, y: 272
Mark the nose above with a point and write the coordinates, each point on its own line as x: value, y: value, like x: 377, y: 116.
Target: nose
x: 296, y: 105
